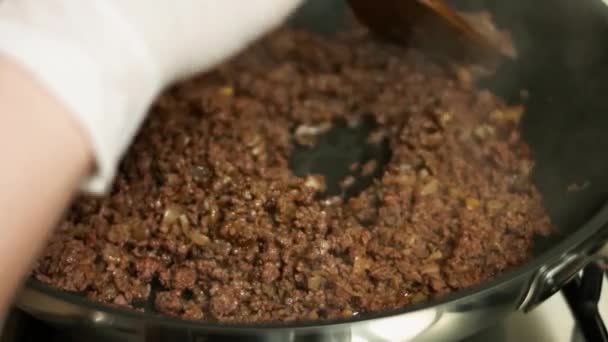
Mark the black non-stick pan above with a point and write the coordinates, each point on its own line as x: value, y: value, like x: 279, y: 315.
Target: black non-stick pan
x: 563, y: 65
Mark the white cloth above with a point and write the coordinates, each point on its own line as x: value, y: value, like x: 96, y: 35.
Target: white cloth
x: 106, y: 60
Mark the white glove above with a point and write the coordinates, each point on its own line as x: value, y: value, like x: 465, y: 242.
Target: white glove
x: 107, y: 60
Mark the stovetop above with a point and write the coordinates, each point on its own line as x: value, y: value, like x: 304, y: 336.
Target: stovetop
x: 552, y: 321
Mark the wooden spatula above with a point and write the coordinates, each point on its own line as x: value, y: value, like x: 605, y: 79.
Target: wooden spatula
x: 432, y: 25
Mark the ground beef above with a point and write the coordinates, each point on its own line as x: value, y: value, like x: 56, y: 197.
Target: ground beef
x: 207, y: 221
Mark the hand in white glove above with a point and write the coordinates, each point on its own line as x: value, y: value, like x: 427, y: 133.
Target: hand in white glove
x: 106, y: 60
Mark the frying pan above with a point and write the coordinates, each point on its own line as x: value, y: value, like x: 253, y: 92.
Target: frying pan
x: 563, y: 64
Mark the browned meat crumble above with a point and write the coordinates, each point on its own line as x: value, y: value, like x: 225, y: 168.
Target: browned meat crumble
x: 206, y: 211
